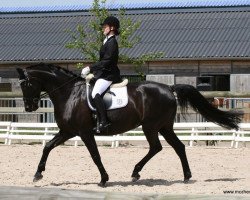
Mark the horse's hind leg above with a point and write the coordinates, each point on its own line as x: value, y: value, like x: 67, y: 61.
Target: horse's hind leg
x: 154, y: 148
x: 170, y: 136
x: 57, y: 140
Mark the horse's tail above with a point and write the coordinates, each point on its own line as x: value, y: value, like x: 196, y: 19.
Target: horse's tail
x: 189, y: 94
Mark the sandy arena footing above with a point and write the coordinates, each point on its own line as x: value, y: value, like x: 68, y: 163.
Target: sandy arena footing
x: 216, y: 171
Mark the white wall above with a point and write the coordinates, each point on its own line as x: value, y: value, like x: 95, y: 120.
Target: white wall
x: 240, y: 82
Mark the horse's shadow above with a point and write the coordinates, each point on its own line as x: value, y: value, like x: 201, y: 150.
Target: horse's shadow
x: 224, y: 179
x: 148, y: 182
x: 142, y: 182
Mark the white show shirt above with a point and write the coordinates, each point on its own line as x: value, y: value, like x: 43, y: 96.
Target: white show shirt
x: 106, y: 38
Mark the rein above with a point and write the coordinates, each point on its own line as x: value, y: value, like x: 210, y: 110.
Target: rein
x: 47, y: 93
x: 27, y: 78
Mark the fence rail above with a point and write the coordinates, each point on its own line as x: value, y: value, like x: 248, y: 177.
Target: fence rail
x: 12, y: 109
x: 197, y: 131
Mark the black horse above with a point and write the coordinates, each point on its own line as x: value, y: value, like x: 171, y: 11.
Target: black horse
x: 151, y: 105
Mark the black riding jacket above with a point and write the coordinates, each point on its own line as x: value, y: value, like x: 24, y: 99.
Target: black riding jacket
x: 107, y: 67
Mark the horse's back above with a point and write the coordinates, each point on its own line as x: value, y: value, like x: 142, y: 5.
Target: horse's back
x: 158, y: 91
x: 152, y: 99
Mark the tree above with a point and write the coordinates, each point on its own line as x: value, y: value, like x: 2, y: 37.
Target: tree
x: 89, y: 42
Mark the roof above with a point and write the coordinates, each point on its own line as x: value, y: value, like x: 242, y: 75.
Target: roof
x: 201, y: 34
x: 74, y: 5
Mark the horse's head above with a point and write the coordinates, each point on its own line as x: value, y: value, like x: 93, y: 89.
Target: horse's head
x: 31, y: 88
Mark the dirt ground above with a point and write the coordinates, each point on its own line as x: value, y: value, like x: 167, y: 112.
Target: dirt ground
x: 215, y: 170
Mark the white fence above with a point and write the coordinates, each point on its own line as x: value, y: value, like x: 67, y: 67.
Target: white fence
x: 192, y: 131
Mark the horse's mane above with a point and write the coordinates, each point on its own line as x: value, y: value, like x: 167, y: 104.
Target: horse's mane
x: 54, y: 68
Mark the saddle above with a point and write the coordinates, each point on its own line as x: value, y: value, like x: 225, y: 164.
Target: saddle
x: 115, y: 97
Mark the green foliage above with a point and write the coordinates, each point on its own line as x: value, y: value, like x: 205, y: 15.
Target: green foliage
x: 88, y: 39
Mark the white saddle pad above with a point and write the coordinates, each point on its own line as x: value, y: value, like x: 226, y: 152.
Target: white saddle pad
x: 119, y: 97
x: 116, y: 97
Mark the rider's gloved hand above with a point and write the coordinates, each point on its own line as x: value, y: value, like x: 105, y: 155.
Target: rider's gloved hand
x: 85, y: 72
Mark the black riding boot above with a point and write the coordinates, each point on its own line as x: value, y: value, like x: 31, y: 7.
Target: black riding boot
x: 101, y: 111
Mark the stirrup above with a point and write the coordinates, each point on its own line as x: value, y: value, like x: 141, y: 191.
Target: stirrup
x: 96, y: 129
x: 105, y: 125
x: 100, y: 127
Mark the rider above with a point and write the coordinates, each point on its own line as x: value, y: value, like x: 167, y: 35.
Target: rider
x: 105, y: 70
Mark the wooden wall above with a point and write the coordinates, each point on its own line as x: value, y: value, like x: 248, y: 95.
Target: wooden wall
x: 184, y: 71
x: 187, y: 68
x: 197, y: 68
x: 240, y: 82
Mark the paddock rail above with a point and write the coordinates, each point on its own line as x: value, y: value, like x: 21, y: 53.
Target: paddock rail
x: 188, y: 131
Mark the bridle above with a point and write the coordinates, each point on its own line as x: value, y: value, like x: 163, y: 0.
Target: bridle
x: 27, y: 81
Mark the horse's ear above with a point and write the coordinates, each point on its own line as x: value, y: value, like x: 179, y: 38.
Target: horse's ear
x: 21, y: 73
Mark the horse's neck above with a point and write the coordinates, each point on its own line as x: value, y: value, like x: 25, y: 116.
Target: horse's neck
x: 68, y: 92
x: 57, y: 88
x: 60, y: 88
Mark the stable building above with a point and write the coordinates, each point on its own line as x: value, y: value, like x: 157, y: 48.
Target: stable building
x: 205, y: 45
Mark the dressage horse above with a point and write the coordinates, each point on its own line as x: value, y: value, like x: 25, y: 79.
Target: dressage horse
x: 151, y: 105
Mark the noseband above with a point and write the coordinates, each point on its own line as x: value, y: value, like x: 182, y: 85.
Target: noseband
x: 34, y: 100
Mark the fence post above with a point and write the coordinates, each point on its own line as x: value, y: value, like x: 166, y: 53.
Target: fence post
x: 11, y: 133
x: 113, y: 142
x: 232, y: 142
x: 76, y: 143
x: 7, y: 134
x: 237, y: 138
x: 117, y: 141
x: 192, y: 135
x: 45, y: 133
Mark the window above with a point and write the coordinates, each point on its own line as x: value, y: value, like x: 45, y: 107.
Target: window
x: 213, y: 83
x: 5, y: 87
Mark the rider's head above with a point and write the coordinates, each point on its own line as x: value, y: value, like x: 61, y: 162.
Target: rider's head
x: 110, y: 26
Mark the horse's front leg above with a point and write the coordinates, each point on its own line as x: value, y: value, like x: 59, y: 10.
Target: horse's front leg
x: 89, y: 141
x: 57, y: 140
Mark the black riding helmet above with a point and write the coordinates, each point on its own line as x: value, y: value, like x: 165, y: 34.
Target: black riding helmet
x: 112, y: 21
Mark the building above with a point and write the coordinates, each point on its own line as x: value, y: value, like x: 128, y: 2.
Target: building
x: 205, y: 44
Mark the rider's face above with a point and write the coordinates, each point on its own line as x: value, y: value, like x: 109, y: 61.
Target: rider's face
x: 106, y: 29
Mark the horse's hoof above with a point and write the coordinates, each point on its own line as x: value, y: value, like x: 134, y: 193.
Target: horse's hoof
x: 187, y: 177
x: 136, y: 178
x: 186, y: 181
x: 104, y: 179
x: 37, y: 177
x: 102, y: 184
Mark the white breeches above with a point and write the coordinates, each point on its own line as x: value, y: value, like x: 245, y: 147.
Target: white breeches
x: 101, y: 85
